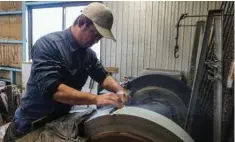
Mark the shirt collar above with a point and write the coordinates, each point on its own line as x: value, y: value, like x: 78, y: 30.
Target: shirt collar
x: 74, y: 44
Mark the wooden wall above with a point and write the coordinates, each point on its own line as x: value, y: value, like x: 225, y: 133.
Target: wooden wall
x: 10, y: 29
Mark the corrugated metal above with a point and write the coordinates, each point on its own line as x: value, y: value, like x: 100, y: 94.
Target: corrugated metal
x: 145, y: 33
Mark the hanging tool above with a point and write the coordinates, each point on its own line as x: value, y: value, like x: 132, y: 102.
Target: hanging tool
x: 183, y: 16
x: 177, y: 35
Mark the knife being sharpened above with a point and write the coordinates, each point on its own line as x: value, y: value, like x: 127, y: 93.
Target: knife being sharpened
x: 115, y: 109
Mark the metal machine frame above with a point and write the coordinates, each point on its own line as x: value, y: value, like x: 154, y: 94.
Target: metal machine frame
x: 214, y: 17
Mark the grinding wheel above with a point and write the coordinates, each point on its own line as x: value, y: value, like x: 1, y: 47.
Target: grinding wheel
x: 133, y: 124
x: 162, y: 94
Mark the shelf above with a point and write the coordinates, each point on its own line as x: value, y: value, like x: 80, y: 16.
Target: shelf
x: 12, y: 76
x: 10, y: 69
x: 11, y: 41
x: 5, y: 80
x: 4, y: 13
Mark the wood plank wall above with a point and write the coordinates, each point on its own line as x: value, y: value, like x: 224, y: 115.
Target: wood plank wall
x: 10, y: 29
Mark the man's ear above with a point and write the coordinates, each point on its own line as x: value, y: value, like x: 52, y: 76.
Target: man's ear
x: 82, y: 27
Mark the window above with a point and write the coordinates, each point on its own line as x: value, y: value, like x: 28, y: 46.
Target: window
x: 71, y: 14
x: 46, y: 20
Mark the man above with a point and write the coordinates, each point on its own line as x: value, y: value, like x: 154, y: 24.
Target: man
x: 61, y: 63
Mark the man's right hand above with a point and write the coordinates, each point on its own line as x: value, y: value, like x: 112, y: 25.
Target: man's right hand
x: 108, y: 99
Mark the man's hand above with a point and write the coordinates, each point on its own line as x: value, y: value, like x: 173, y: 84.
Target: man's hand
x: 109, y: 99
x: 123, y: 96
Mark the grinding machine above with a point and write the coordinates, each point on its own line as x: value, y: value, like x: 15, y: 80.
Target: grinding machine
x: 155, y: 112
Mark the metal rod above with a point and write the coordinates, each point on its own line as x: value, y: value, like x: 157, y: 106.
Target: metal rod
x: 222, y: 5
x: 13, y: 77
x: 217, y: 121
x: 199, y: 27
x: 64, y: 18
x: 208, y: 88
x: 30, y: 31
x: 24, y: 50
x: 227, y: 30
x: 207, y: 15
x: 203, y: 84
x: 196, y: 15
x: 187, y: 25
x: 208, y: 94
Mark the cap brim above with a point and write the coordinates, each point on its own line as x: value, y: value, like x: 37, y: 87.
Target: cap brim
x: 104, y: 32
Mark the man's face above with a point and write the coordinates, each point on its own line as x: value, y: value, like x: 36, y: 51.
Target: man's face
x: 89, y: 36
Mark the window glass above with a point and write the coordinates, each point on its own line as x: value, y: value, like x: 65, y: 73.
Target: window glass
x: 46, y: 20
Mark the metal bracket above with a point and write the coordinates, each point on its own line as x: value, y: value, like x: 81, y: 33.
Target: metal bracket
x: 196, y: 46
x: 214, y: 72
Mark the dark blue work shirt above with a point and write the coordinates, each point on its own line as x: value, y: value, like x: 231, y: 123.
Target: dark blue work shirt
x: 56, y: 59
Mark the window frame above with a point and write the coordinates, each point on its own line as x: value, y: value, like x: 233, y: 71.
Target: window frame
x: 27, y: 18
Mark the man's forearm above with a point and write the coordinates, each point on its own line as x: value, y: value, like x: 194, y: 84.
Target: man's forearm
x: 111, y: 85
x: 68, y: 95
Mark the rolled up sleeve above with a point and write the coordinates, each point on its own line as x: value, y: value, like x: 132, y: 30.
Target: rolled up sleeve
x: 46, y: 68
x: 97, y: 71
